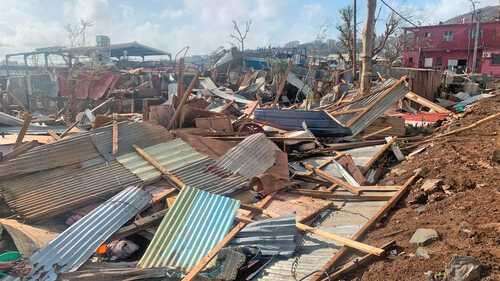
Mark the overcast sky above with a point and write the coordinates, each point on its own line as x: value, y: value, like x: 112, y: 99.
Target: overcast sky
x: 203, y: 25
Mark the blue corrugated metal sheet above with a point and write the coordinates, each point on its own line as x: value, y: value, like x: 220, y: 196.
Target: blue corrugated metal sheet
x: 319, y: 122
x: 192, y: 167
x: 272, y: 236
x: 77, y: 243
x: 197, y: 221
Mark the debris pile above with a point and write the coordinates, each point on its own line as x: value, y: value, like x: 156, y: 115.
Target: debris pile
x: 271, y: 174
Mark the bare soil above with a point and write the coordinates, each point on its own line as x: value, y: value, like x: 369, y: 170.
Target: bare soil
x: 467, y: 218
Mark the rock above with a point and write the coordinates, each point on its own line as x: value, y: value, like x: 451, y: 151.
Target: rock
x: 418, y: 198
x: 496, y: 156
x: 431, y: 185
x: 398, y: 171
x: 424, y: 236
x: 463, y: 268
x: 423, y: 253
x: 434, y: 197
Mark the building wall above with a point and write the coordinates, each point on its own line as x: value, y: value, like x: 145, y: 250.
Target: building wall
x: 428, y: 42
x: 487, y: 66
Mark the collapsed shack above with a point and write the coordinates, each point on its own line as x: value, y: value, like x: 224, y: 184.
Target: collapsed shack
x: 268, y: 174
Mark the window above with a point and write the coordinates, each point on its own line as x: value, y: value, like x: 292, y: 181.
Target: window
x: 448, y: 36
x: 428, y: 62
x: 495, y: 59
x: 427, y: 34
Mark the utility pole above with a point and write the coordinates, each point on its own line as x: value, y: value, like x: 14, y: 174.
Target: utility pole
x: 354, y: 41
x: 476, y: 39
x: 366, y: 56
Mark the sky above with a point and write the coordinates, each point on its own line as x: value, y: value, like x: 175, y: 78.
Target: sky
x: 203, y: 25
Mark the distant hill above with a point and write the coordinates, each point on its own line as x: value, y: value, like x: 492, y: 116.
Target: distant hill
x: 489, y: 13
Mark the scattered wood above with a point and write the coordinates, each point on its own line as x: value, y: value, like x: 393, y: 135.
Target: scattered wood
x: 367, y: 226
x: 115, y: 138
x: 376, y: 133
x: 54, y: 135
x: 182, y: 102
x: 331, y: 178
x: 356, y: 263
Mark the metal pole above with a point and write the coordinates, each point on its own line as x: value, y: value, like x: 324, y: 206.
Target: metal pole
x: 476, y: 40
x: 354, y: 41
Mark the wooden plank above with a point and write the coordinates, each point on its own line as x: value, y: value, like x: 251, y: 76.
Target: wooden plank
x: 159, y: 166
x: 24, y: 129
x: 367, y: 226
x: 19, y: 150
x: 54, y: 135
x: 213, y: 252
x: 282, y: 84
x: 183, y: 101
x: 427, y: 103
x: 331, y: 178
x: 139, y: 225
x: 378, y: 155
x: 376, y: 132
x: 356, y: 263
x: 342, y: 240
x: 115, y: 138
x: 333, y: 196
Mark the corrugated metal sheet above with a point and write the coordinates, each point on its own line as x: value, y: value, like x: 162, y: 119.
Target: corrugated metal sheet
x: 314, y: 251
x: 192, y: 167
x: 362, y: 155
x: 383, y: 97
x: 33, y: 130
x: 272, y: 236
x: 83, y: 147
x: 251, y: 157
x: 318, y: 122
x: 207, y: 83
x: 50, y: 193
x: 197, y: 221
x: 9, y: 120
x: 77, y: 243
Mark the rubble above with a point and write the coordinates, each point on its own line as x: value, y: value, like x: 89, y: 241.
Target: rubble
x: 225, y: 172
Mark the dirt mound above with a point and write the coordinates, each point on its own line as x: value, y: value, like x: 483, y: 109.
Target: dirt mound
x: 465, y: 210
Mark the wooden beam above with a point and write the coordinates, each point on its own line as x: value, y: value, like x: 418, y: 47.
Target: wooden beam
x: 333, y: 196
x: 367, y: 226
x: 282, y: 84
x: 19, y: 150
x: 183, y: 101
x: 54, y: 135
x: 24, y: 129
x: 331, y: 178
x: 356, y: 263
x: 215, y: 250
x: 376, y: 133
x: 115, y: 138
x: 427, y: 103
x: 342, y: 240
x: 378, y: 155
x: 159, y: 166
x: 139, y: 225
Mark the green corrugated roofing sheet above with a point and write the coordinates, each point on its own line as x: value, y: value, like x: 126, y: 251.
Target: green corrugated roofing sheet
x: 197, y: 221
x: 172, y: 155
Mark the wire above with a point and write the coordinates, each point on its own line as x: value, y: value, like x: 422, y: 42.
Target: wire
x: 397, y: 13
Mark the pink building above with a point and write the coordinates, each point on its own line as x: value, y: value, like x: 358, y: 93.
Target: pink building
x: 451, y: 46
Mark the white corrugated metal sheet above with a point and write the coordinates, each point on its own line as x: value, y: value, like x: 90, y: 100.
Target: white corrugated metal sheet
x: 77, y: 243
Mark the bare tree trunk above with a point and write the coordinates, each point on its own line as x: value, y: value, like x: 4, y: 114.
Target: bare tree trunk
x: 354, y: 43
x: 366, y: 56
